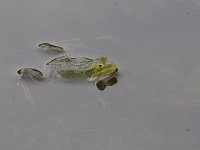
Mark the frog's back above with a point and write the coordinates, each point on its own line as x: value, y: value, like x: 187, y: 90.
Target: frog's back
x: 71, y: 62
x: 74, y: 67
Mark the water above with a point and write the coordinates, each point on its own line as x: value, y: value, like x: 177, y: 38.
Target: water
x: 154, y: 105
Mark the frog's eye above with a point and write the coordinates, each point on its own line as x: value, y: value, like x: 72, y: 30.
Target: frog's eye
x: 100, y: 66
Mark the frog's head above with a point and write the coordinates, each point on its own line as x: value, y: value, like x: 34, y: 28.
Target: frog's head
x: 103, y: 68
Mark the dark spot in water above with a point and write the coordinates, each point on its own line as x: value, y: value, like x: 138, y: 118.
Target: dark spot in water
x: 187, y: 129
x: 187, y: 13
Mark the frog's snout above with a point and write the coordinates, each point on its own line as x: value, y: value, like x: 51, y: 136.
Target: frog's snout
x: 116, y: 70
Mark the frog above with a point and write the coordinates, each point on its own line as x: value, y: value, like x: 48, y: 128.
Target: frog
x: 81, y: 67
x: 72, y: 67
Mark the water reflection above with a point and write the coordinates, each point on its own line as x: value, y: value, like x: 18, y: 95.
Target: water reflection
x: 102, y: 84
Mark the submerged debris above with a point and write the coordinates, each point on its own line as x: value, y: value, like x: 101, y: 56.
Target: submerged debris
x: 51, y: 48
x: 30, y: 74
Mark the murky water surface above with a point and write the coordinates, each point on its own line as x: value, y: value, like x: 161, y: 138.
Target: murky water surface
x: 155, y: 104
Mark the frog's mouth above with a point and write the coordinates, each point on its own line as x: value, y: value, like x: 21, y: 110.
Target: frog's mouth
x: 108, y: 69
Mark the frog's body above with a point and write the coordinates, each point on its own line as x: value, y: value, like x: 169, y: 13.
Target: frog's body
x: 81, y: 67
